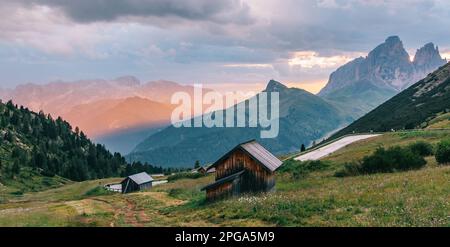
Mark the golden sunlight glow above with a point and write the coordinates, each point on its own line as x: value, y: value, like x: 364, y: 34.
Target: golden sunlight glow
x: 248, y: 65
x: 310, y: 86
x: 446, y: 55
x: 311, y: 59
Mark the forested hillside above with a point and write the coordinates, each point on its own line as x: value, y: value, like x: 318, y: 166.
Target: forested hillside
x: 37, y: 142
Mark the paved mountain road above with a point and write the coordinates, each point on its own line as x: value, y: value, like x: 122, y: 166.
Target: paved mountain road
x: 333, y: 147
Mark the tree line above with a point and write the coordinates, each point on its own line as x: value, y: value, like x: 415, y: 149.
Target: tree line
x: 53, y: 147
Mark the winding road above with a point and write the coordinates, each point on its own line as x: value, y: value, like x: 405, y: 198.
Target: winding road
x: 333, y: 147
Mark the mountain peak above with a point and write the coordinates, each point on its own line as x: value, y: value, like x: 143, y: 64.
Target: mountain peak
x: 275, y: 86
x: 393, y: 40
x: 427, y: 57
x: 392, y: 47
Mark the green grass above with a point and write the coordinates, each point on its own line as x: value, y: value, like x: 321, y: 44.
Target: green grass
x: 98, y: 191
x: 357, y: 151
x: 184, y: 175
x: 411, y: 198
x: 442, y: 121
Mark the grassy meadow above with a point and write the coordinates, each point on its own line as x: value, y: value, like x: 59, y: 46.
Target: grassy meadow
x: 316, y: 198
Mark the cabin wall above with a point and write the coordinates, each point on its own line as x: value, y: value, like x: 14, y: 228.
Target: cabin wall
x: 132, y: 186
x: 145, y: 186
x: 228, y: 189
x: 219, y: 192
x: 257, y: 178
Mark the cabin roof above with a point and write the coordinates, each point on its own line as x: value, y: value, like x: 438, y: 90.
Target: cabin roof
x: 224, y: 180
x: 141, y: 178
x: 257, y: 152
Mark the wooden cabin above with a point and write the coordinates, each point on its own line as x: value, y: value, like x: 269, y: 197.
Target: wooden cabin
x: 247, y: 168
x: 201, y: 170
x: 137, y: 182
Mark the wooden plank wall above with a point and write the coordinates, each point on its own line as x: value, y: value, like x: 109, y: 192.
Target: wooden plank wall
x: 255, y: 179
x: 221, y: 191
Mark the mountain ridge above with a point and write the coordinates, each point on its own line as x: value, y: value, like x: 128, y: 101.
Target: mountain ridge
x: 303, y: 117
x: 366, y: 82
x: 68, y: 99
x: 411, y: 108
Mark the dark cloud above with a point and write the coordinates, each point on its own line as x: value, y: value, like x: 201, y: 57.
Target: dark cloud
x: 219, y: 11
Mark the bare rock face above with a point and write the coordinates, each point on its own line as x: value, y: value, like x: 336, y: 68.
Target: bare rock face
x: 388, y: 66
x: 428, y: 58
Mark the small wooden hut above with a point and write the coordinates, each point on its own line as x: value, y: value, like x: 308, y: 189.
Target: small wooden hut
x: 201, y: 170
x: 248, y: 167
x: 137, y: 182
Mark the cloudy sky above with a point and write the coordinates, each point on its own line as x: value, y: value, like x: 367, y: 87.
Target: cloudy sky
x: 222, y: 42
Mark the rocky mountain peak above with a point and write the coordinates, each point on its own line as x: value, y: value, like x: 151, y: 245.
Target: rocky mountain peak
x: 275, y: 86
x: 388, y: 66
x: 393, y: 40
x: 391, y: 49
x: 428, y: 57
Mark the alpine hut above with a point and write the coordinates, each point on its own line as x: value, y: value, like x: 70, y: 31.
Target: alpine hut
x: 136, y: 182
x: 248, y: 167
x: 201, y: 170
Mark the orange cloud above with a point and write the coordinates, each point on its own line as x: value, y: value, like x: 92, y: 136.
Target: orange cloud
x: 311, y: 59
x: 446, y: 54
x: 310, y: 86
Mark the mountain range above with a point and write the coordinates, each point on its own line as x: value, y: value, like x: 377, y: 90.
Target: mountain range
x: 129, y: 116
x: 304, y: 118
x: 364, y: 83
x: 118, y: 113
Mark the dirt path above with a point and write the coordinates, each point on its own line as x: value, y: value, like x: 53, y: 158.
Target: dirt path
x: 132, y: 214
x: 127, y: 209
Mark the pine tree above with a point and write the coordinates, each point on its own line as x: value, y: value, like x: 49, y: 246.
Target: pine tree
x: 197, y: 164
x: 15, y: 168
x: 303, y: 148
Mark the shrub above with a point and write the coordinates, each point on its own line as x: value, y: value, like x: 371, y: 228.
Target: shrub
x: 47, y: 173
x: 17, y: 193
x: 385, y: 161
x: 443, y: 152
x: 299, y: 169
x: 350, y: 169
x: 182, y: 175
x: 421, y: 148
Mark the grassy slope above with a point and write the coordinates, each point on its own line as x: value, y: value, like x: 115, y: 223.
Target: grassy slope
x: 414, y: 198
x: 440, y: 122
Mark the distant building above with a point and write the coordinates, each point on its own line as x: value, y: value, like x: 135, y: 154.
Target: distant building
x: 157, y: 175
x: 248, y: 167
x: 201, y: 170
x: 137, y: 182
